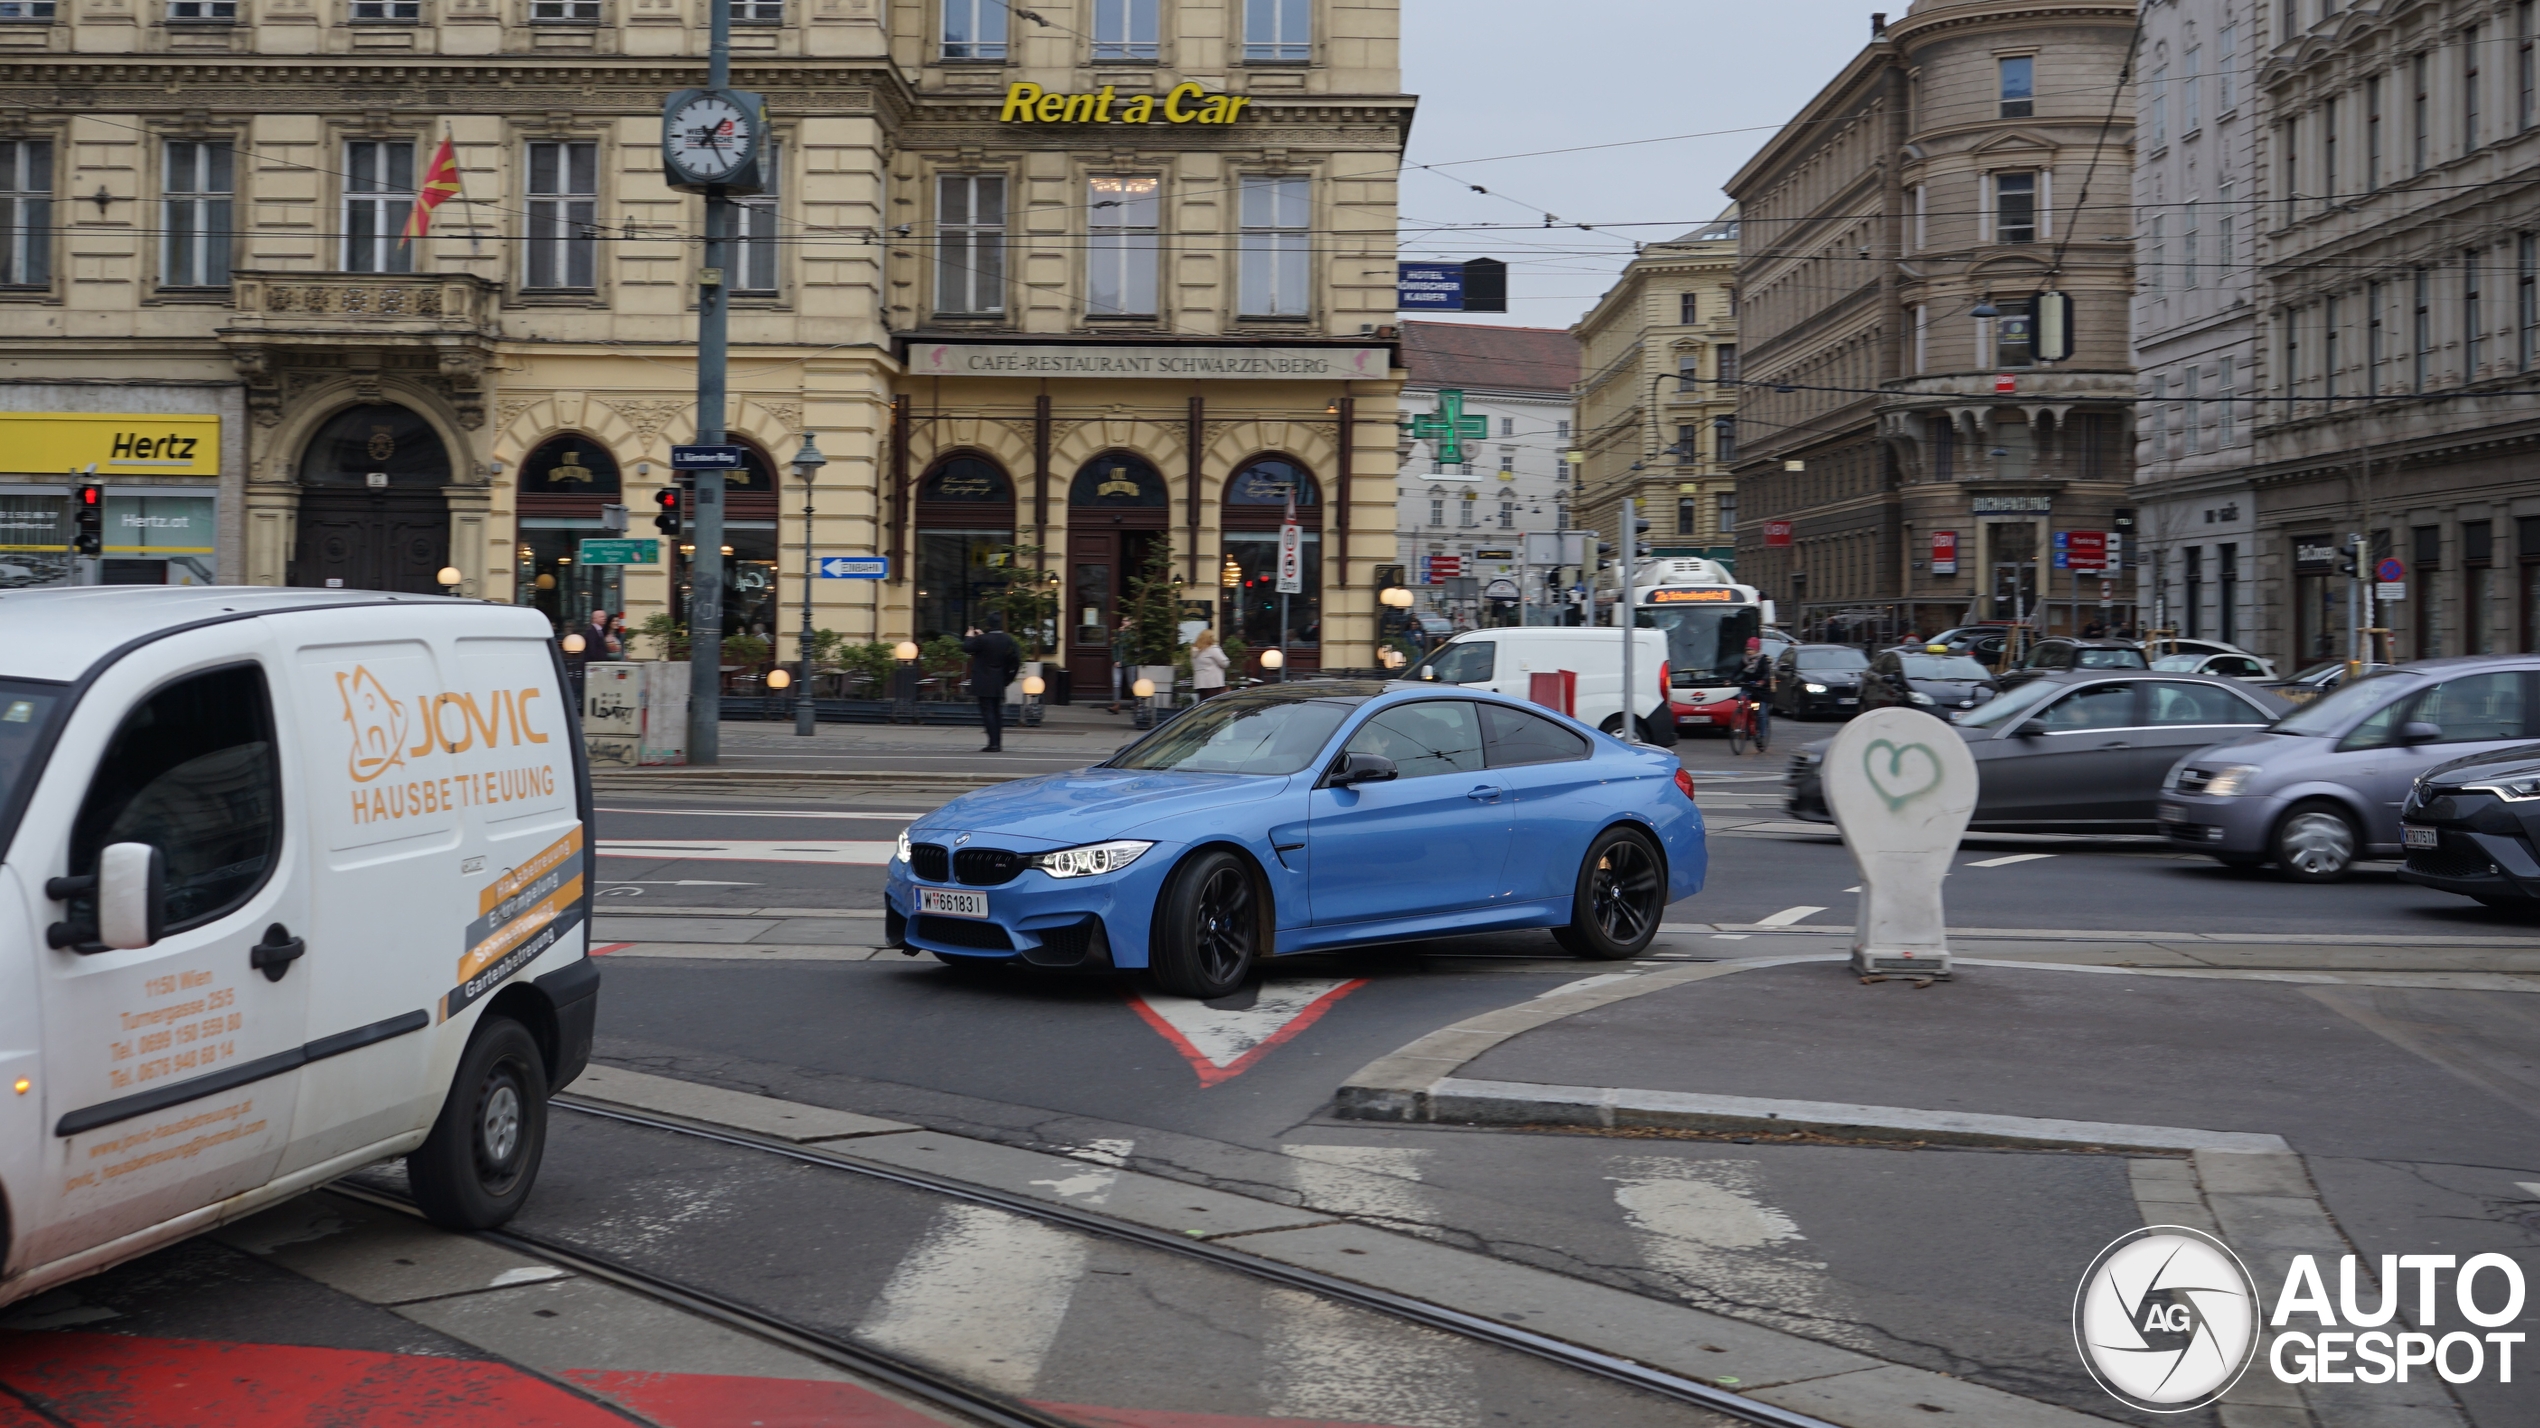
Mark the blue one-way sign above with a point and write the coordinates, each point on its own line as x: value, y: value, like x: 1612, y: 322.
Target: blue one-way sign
x: 709, y: 458
x: 855, y: 567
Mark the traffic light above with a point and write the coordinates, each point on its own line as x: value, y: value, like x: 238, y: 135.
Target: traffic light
x: 2121, y: 525
x: 668, y: 521
x: 89, y: 536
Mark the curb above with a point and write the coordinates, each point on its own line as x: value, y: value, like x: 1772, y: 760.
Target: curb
x: 629, y: 779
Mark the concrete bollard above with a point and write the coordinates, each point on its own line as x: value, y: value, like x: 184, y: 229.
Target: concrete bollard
x: 1901, y: 786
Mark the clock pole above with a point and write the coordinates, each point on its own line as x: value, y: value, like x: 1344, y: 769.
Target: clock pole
x: 705, y: 573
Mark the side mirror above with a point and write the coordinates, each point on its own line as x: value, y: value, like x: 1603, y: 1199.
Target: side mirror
x: 1356, y: 769
x: 131, y: 896
x: 2417, y: 731
x: 2030, y: 730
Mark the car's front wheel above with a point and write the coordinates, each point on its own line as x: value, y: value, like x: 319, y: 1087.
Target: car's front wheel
x: 1621, y: 891
x: 2316, y: 842
x: 474, y: 1170
x: 1208, y: 927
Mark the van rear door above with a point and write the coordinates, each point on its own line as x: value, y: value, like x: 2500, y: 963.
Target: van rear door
x: 170, y: 1072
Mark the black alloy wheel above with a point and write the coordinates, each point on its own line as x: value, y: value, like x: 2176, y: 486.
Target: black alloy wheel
x: 474, y: 1171
x: 1621, y: 893
x: 1208, y: 933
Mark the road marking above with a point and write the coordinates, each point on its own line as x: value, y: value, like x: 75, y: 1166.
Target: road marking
x: 1706, y: 1224
x: 720, y: 813
x: 2005, y: 862
x: 2529, y: 1187
x: 1788, y: 915
x: 669, y: 883
x: 1853, y: 889
x: 1222, y: 1045
x: 1325, y: 1360
x: 847, y: 854
x: 1376, y: 1181
x: 983, y: 1295
x: 1730, y: 936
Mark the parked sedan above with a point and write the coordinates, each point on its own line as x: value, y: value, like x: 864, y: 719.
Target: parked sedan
x: 2081, y: 752
x: 1983, y: 643
x: 1939, y: 684
x: 2228, y: 665
x: 1818, y: 679
x: 2317, y: 680
x: 2322, y: 788
x: 2469, y: 828
x: 1299, y: 818
x: 2060, y: 654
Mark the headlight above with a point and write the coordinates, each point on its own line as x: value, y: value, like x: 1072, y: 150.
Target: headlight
x: 903, y: 849
x: 2511, y: 790
x: 1091, y: 859
x: 1920, y: 697
x: 1816, y: 689
x: 2231, y: 779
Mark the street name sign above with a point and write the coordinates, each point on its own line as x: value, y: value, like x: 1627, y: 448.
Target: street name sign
x: 595, y: 551
x: 855, y: 567
x: 710, y: 458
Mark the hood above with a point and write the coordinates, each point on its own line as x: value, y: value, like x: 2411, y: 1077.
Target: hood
x: 2494, y: 764
x: 2257, y: 749
x: 1086, y: 805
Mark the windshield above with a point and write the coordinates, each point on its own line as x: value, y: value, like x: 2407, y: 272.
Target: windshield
x: 1243, y: 734
x: 1943, y: 667
x: 26, y: 709
x: 2334, y: 710
x: 1832, y: 658
x: 1705, y: 643
x: 2183, y: 664
x: 2012, y: 706
x: 2107, y: 659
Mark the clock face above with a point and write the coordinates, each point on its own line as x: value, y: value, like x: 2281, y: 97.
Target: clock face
x: 710, y: 136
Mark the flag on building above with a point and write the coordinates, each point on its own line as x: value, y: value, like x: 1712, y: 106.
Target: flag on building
x: 440, y: 185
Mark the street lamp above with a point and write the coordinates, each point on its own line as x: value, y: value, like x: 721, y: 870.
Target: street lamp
x: 807, y: 463
x: 451, y: 577
x: 1143, y: 691
x: 1273, y: 659
x: 904, y: 682
x: 1033, y: 688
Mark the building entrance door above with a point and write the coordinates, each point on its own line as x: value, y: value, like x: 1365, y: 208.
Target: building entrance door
x: 364, y: 540
x: 1101, y: 563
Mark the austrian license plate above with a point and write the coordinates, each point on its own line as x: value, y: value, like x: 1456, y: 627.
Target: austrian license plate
x: 2422, y: 837
x: 945, y: 903
x: 1847, y: 701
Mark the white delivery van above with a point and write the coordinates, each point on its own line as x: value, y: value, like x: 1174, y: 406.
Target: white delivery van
x: 291, y: 881
x: 1507, y: 661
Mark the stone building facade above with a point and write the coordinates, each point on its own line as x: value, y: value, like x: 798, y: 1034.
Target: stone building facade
x: 1904, y: 456
x: 1009, y: 318
x: 2399, y: 263
x: 1660, y: 363
x: 1514, y: 478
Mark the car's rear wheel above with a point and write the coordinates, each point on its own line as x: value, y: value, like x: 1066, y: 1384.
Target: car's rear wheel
x: 1208, y: 928
x: 2316, y: 842
x: 1621, y: 891
x: 474, y: 1170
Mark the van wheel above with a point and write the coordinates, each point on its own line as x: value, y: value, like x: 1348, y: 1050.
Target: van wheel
x: 1207, y: 927
x: 2316, y: 842
x: 475, y: 1169
x: 1615, y: 907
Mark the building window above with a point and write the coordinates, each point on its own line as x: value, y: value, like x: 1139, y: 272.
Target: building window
x: 1922, y: 217
x: 2288, y: 137
x: 1688, y: 448
x: 2019, y: 87
x: 1277, y: 31
x: 565, y: 12
x: 2473, y: 319
x: 2160, y: 443
x: 2526, y: 299
x: 756, y: 227
x: 2015, y: 208
x: 2428, y: 552
x: 974, y: 29
x: 1686, y: 309
x: 2478, y: 587
x: 2526, y: 72
x: 1437, y: 511
x: 1277, y: 246
x: 26, y: 212
x: 2193, y: 418
x: 2376, y: 297
x: 970, y: 243
x: 2227, y: 379
x: 1507, y: 427
x: 2328, y: 151
x: 564, y: 200
x: 2190, y: 102
x: 2469, y: 93
x: 2187, y: 245
x: 1727, y: 360
x: 220, y: 10
x: 1561, y: 429
x: 2014, y: 333
x: 2195, y: 592
x: 1688, y: 515
x: 2157, y: 280
x: 2228, y: 58
x: 2229, y: 610
x: 2420, y: 112
x: 1507, y: 515
x: 401, y: 12
x: 2158, y: 96
x: 2226, y: 223
x: 379, y: 194
x: 26, y: 10
x: 1724, y: 508
x: 1922, y: 338
x: 1465, y: 508
x: 194, y: 215
x: 2372, y: 133
x: 1120, y: 259
x: 758, y: 12
x: 2330, y: 311
x: 1724, y: 438
x: 1507, y: 454
x: 2421, y: 331
x: 1124, y: 29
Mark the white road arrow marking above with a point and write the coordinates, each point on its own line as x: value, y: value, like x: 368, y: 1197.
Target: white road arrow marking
x: 1788, y: 915
x: 852, y: 854
x: 2013, y: 858
x: 1222, y: 1045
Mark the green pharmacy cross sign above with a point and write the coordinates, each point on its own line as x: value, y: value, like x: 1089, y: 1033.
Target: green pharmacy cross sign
x: 1448, y: 428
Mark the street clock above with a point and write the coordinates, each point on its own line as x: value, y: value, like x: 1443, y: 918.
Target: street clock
x: 713, y: 139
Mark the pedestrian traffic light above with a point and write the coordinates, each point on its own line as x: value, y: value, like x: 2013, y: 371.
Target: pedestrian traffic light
x: 89, y: 536
x: 668, y: 521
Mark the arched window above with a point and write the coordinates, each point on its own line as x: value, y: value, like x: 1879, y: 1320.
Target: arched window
x: 571, y: 465
x: 752, y: 515
x: 1118, y: 480
x: 1256, y: 506
x: 563, y: 485
x: 965, y: 517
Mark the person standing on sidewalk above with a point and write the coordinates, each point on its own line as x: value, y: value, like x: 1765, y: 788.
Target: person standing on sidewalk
x: 1208, y: 666
x: 994, y: 659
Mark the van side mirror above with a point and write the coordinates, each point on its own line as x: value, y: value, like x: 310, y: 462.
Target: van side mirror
x: 131, y: 896
x: 2417, y: 731
x: 1356, y: 769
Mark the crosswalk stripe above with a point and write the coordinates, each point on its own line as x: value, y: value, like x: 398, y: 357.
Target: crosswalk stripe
x: 2005, y: 862
x: 982, y: 1295
x: 1326, y: 1360
x: 1788, y: 915
x: 1377, y: 1181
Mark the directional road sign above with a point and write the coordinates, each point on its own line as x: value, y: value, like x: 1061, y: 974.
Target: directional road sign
x: 855, y: 567
x: 710, y: 458
x: 619, y: 552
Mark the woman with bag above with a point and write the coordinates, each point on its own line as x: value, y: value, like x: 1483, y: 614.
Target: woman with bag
x: 1208, y: 666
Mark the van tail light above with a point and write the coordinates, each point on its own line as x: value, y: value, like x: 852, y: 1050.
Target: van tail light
x: 1666, y: 682
x: 1684, y: 783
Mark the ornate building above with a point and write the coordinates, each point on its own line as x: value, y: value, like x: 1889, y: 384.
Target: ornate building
x: 1905, y: 454
x: 1514, y: 478
x: 1087, y: 279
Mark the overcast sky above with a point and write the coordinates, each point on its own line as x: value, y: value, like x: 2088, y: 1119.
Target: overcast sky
x: 1499, y: 77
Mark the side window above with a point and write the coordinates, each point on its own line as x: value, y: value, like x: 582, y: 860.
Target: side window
x: 2382, y: 726
x: 2475, y: 709
x: 2197, y: 704
x: 2098, y: 706
x: 1517, y: 737
x: 1464, y: 662
x: 1434, y: 736
x: 193, y: 773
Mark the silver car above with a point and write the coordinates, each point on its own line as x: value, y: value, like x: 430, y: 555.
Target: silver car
x: 2321, y: 788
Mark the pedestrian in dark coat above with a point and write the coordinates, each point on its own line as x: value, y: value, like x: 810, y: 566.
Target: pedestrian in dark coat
x: 994, y: 661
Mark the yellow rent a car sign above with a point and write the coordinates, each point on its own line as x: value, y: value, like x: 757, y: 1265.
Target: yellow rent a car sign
x: 117, y: 444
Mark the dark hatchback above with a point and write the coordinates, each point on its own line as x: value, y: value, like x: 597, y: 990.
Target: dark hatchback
x: 2062, y: 656
x: 2471, y: 827
x: 1818, y: 679
x: 1934, y: 683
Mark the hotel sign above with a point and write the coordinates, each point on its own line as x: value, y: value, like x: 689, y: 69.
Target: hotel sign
x: 1260, y: 364
x: 1183, y: 104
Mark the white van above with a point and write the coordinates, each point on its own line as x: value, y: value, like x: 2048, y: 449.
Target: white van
x: 1508, y: 660
x: 291, y: 881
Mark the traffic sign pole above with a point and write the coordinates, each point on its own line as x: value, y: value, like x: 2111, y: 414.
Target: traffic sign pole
x: 714, y: 325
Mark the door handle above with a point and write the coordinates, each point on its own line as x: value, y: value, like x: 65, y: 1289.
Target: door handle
x: 1485, y: 794
x: 276, y: 953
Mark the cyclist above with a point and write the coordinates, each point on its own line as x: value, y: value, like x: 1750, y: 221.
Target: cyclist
x: 1755, y: 679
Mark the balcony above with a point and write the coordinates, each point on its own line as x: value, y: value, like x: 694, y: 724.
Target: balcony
x: 288, y: 331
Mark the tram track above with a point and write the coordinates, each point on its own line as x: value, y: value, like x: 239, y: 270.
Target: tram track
x: 945, y: 1391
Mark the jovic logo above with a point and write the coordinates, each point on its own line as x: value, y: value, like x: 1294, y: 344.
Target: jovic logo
x: 386, y: 732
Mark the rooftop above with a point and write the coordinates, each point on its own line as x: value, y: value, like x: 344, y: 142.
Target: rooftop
x: 1472, y: 357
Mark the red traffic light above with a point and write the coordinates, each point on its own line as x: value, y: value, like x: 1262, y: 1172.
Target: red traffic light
x: 91, y: 495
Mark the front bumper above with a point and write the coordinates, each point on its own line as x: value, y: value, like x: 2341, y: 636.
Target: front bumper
x: 1089, y: 923
x: 1805, y: 792
x: 2482, y: 848
x: 1715, y: 714
x: 2238, y: 826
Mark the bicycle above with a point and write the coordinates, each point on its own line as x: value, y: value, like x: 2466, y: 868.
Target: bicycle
x: 1749, y: 724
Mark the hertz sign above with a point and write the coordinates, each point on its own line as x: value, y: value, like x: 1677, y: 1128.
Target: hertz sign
x: 1184, y: 104
x: 1693, y: 597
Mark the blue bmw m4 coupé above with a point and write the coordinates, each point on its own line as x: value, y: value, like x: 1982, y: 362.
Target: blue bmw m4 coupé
x: 1303, y: 817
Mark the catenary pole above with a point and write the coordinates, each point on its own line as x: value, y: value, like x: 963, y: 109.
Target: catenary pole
x: 705, y: 572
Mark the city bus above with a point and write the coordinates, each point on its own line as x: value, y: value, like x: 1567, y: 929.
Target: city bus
x: 1708, y: 618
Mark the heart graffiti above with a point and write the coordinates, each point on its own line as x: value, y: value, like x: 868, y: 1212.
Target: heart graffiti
x: 1894, y: 783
